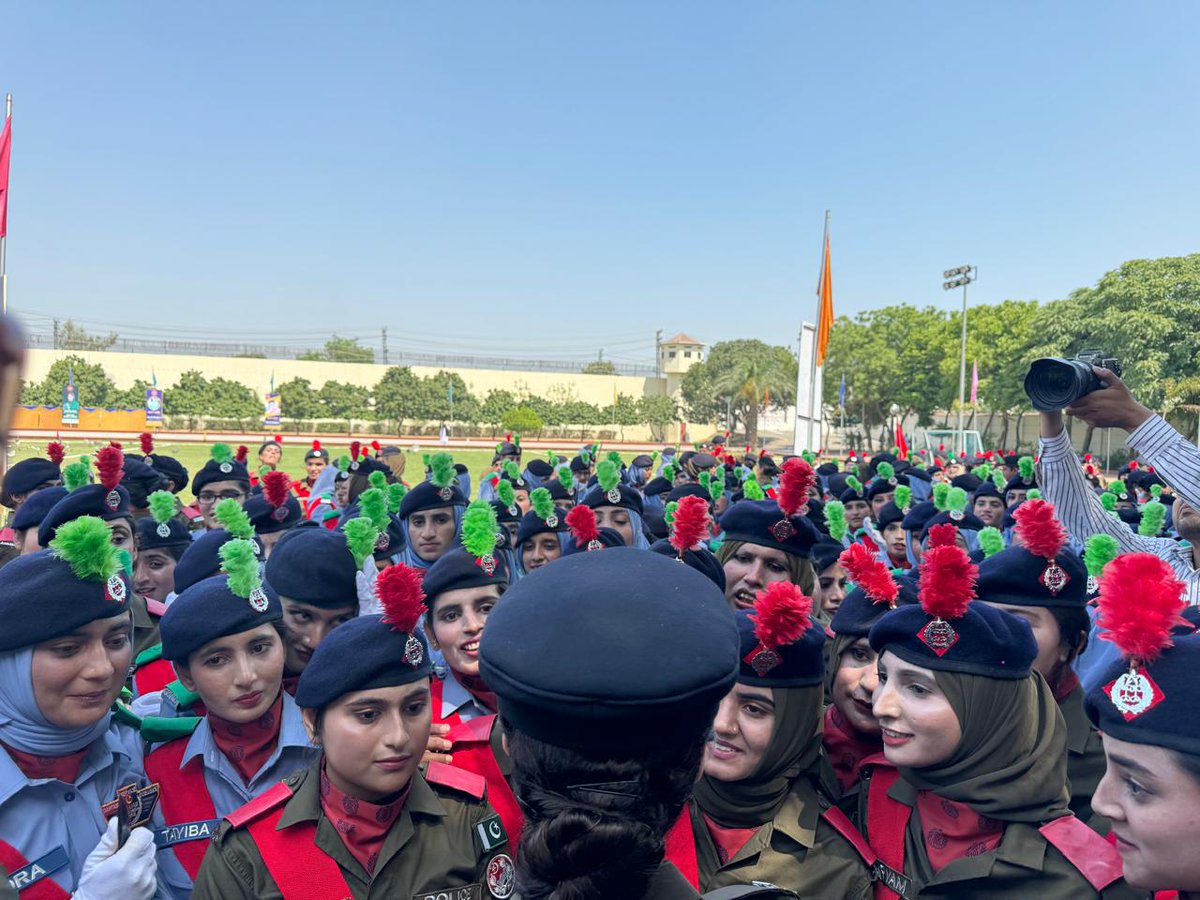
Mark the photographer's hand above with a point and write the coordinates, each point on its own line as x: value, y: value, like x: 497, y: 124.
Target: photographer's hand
x: 1112, y: 407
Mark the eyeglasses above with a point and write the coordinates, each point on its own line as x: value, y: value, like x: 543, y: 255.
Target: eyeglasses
x: 206, y: 498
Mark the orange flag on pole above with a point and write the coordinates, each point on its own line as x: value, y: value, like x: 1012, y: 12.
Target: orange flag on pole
x: 825, y: 292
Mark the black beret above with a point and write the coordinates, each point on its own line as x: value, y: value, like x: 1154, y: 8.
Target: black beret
x: 89, y: 500
x: 703, y: 460
x: 849, y: 495
x: 316, y: 452
x: 34, y: 509
x: 427, y: 495
x: 169, y: 467
x: 268, y: 519
x: 213, y: 471
x: 965, y: 521
x: 558, y: 491
x: 642, y: 461
x: 578, y: 465
x: 1014, y: 576
x: 656, y: 486
x: 629, y: 498
x: 314, y: 566
x: 986, y: 641
x: 702, y: 560
x: 884, y: 486
x: 837, y: 484
x: 825, y: 553
x: 891, y: 514
x: 915, y: 473
x: 918, y: 516
x: 142, y: 475
x: 365, y: 465
x: 177, y: 536
x: 1169, y: 720
x: 689, y: 489
x: 24, y: 476
x: 609, y: 537
x: 508, y: 448
x: 987, y: 489
x: 1131, y: 516
x: 532, y: 524
x: 387, y: 544
x: 661, y: 651
x: 1017, y: 483
x: 361, y: 654
x: 858, y: 611
x: 41, y: 598
x: 457, y: 569
x: 209, y: 610
x: 816, y: 514
x: 655, y: 523
x: 799, y: 664
x: 203, y: 558
x: 828, y: 468
x: 507, y: 514
x: 967, y: 481
x: 539, y: 468
x: 751, y: 521
x: 878, y: 458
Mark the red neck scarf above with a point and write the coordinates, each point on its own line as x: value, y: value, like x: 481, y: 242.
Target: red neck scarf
x: 363, y: 826
x: 953, y: 830
x: 290, y: 683
x: 1067, y: 682
x: 728, y: 841
x: 477, y: 689
x: 250, y: 745
x: 846, y: 747
x: 64, y: 768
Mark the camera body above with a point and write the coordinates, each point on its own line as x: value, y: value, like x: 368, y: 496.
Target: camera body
x: 1054, y: 383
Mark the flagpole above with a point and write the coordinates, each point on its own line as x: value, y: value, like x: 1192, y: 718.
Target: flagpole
x: 4, y: 237
x: 812, y: 382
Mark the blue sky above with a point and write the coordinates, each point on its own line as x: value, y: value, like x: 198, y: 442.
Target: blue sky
x: 564, y: 175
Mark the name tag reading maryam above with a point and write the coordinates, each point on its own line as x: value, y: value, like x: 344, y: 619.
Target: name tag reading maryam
x: 38, y: 869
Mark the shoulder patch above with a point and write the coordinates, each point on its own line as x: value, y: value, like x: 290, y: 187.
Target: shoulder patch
x: 150, y: 654
x: 456, y: 778
x: 1095, y: 858
x: 260, y: 805
x: 841, y: 823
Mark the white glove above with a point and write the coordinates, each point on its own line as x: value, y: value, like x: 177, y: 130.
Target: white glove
x: 364, y: 582
x: 129, y: 873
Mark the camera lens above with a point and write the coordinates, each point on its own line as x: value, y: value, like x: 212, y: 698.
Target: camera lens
x: 1054, y: 383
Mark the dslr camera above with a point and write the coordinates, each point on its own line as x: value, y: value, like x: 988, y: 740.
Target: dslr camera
x: 1055, y: 383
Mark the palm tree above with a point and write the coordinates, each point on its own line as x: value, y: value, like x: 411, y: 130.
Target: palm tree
x: 750, y: 380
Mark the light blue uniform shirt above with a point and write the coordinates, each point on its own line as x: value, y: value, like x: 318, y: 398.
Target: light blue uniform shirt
x: 45, y: 819
x: 225, y: 785
x: 457, y: 699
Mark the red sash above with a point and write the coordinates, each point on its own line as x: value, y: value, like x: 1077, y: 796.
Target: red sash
x: 45, y: 888
x: 153, y: 676
x: 472, y: 751
x: 435, y: 702
x: 184, y: 798
x: 887, y: 821
x: 681, y: 847
x: 300, y: 869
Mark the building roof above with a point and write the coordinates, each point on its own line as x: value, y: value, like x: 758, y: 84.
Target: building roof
x: 682, y: 338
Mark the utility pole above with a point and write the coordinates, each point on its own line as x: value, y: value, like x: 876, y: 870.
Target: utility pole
x: 961, y: 277
x: 658, y: 354
x: 56, y: 334
x: 385, y: 359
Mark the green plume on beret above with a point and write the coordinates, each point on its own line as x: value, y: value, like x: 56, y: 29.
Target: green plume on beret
x: 669, y: 472
x: 479, y: 529
x: 77, y: 474
x: 715, y: 487
x: 653, y: 458
x: 343, y: 463
x: 585, y: 457
x: 835, y: 518
x: 233, y: 518
x: 956, y: 500
x: 983, y: 471
x: 669, y: 512
x: 162, y: 506
x: 998, y: 480
x: 543, y: 503
x: 886, y: 471
x: 903, y: 497
x: 85, y: 544
x: 240, y: 565
x: 614, y: 457
x: 1156, y: 491
x: 607, y: 475
x: 221, y: 453
x: 808, y: 456
x: 360, y: 535
x: 751, y: 489
x: 372, y: 505
x: 511, y: 469
x: 395, y: 494
x: 1025, y: 467
x: 563, y: 473
x: 1098, y: 551
x: 1033, y: 494
x: 377, y: 480
x: 941, y: 492
x: 1109, y: 501
x: 441, y: 467
x: 854, y: 484
x: 1154, y: 514
x: 991, y: 541
x: 506, y: 493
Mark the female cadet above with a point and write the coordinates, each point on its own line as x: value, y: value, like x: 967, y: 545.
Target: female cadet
x: 606, y: 732
x: 222, y: 635
x: 162, y: 539
x: 829, y: 589
x: 540, y: 535
x: 851, y: 734
x: 363, y: 820
x: 64, y: 653
x: 1056, y: 610
x: 617, y: 506
x: 432, y: 514
x: 758, y: 814
x: 221, y: 478
x: 973, y: 807
x: 1145, y: 705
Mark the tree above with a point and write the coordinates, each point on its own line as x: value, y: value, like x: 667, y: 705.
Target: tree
x: 340, y: 400
x: 299, y: 400
x: 340, y: 349
x: 219, y: 398
x: 658, y: 411
x: 522, y: 420
x: 623, y: 412
x: 600, y: 367
x: 752, y: 379
x: 393, y: 394
x: 93, y: 386
x: 432, y: 400
x: 72, y: 337
x: 133, y: 397
x: 495, y: 405
x: 730, y: 385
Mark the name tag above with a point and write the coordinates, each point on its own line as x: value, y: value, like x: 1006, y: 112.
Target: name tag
x: 38, y: 869
x: 187, y: 831
x: 491, y: 834
x: 892, y: 879
x: 467, y: 892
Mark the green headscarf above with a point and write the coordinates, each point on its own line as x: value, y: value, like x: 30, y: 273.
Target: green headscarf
x: 1011, y: 763
x: 794, y: 751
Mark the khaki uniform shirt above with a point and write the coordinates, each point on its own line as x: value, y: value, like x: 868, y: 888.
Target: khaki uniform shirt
x: 1085, y: 761
x: 145, y: 626
x: 431, y: 850
x: 797, y: 850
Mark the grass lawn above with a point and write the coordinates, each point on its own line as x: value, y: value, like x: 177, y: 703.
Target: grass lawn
x: 194, y: 455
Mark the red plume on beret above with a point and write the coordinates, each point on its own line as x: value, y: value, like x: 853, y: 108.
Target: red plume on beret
x: 782, y: 613
x: 278, y: 438
x: 110, y: 465
x: 354, y: 445
x: 795, y: 480
x: 1140, y: 601
x: 242, y: 453
x: 869, y: 574
x: 276, y: 486
x: 147, y: 442
x: 947, y: 582
x: 1039, y: 529
x: 1134, y: 464
x: 316, y: 445
x: 944, y: 535
x: 56, y: 452
x: 398, y: 589
x: 582, y: 522
x: 691, y: 523
x: 375, y: 446
x: 116, y: 444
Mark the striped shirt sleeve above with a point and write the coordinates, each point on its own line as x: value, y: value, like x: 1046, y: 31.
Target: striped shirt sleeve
x: 1174, y: 457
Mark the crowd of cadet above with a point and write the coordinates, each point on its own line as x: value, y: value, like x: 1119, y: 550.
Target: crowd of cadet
x: 680, y: 674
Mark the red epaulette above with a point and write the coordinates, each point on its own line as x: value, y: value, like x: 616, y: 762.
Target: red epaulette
x: 1095, y: 858
x: 260, y: 805
x: 459, y: 779
x: 840, y: 823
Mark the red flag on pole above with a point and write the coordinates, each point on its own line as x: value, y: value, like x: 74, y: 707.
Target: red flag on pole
x: 901, y: 443
x: 5, y: 150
